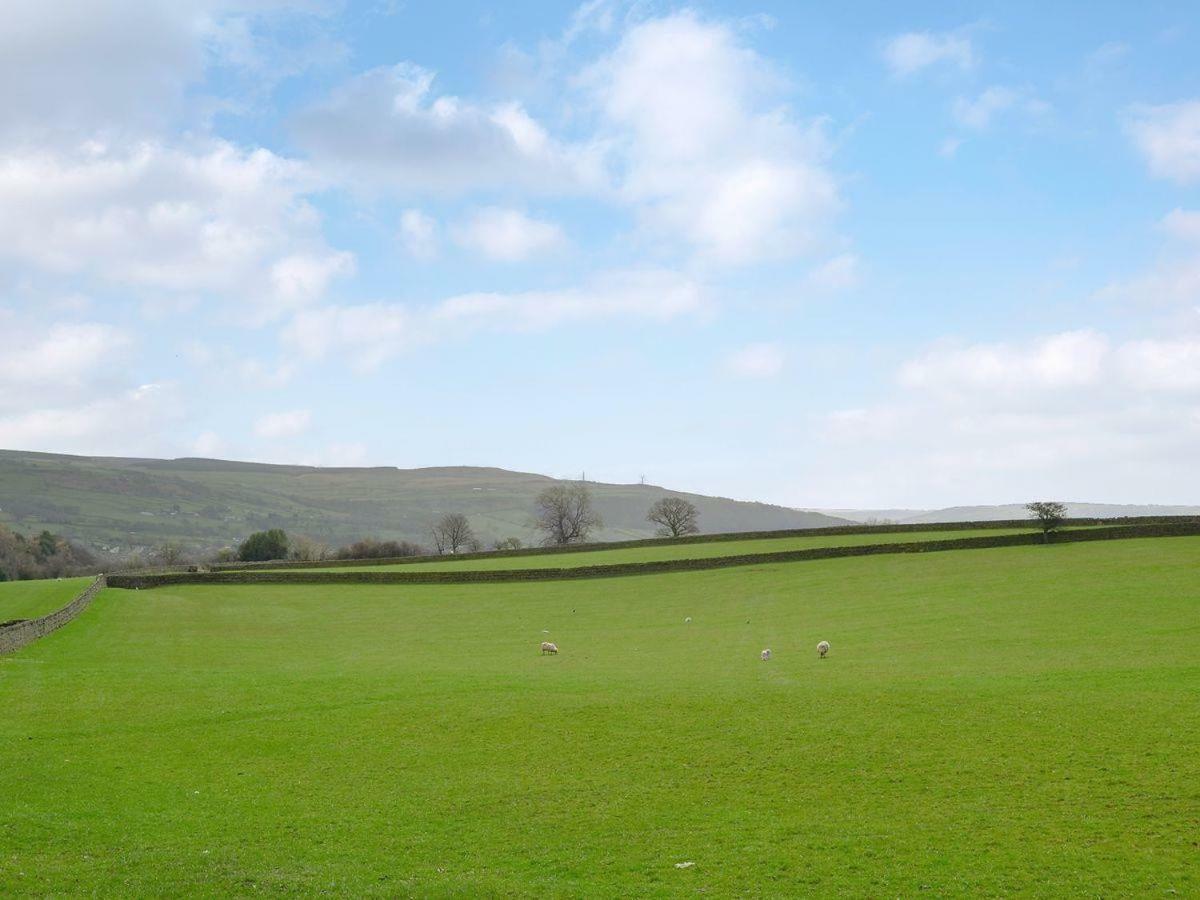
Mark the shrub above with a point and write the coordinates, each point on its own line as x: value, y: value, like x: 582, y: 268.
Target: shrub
x: 264, y: 545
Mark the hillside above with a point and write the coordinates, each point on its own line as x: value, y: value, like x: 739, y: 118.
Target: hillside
x: 116, y: 505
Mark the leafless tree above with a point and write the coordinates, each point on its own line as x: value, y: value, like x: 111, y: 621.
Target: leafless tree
x: 1049, y: 513
x: 308, y: 549
x: 565, y: 514
x: 452, y: 533
x: 508, y: 543
x: 674, y: 517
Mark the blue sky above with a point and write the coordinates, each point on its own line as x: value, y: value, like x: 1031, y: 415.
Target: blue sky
x: 872, y: 255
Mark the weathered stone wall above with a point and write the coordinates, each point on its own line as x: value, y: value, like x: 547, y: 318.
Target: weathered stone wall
x: 14, y: 637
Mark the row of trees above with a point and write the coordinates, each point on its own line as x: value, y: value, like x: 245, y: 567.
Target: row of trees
x: 563, y: 514
x: 46, y: 555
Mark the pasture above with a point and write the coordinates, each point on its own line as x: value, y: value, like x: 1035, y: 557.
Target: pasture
x: 31, y: 599
x: 1006, y: 721
x: 655, y: 551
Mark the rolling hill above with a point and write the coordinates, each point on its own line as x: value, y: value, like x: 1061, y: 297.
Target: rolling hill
x: 116, y: 505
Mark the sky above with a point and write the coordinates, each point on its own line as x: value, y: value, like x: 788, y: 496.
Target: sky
x: 863, y: 254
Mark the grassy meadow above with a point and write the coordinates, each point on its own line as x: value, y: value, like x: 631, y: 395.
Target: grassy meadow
x: 1006, y: 721
x: 31, y: 599
x: 655, y: 551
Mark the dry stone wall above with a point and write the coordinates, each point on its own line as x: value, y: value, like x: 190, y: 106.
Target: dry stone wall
x: 14, y: 637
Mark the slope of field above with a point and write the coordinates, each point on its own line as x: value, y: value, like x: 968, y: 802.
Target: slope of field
x: 652, y: 552
x: 118, y: 504
x: 32, y: 599
x: 1010, y: 721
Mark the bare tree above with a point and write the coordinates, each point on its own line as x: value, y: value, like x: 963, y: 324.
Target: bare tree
x: 1049, y: 513
x: 508, y: 543
x: 674, y: 517
x: 452, y: 533
x: 565, y: 514
x: 308, y: 549
x: 170, y: 553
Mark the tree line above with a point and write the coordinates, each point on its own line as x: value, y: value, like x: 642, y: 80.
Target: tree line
x: 563, y: 515
x: 45, y: 555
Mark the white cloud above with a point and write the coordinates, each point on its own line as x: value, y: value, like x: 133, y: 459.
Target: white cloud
x: 979, y: 112
x: 124, y: 67
x: 1074, y: 415
x: 508, y: 235
x: 101, y: 425
x: 387, y: 127
x: 367, y: 335
x: 839, y: 273
x: 1183, y: 225
x: 1068, y: 360
x: 210, y: 445
x: 756, y: 361
x: 215, y: 220
x: 1173, y: 281
x: 1168, y: 137
x: 291, y: 423
x: 418, y: 234
x: 906, y: 54
x: 706, y: 150
x: 61, y: 360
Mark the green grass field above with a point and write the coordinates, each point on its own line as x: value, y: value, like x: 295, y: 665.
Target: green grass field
x: 31, y: 599
x: 653, y: 552
x: 1018, y: 721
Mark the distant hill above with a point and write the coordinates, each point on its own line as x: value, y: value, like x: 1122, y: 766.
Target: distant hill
x: 116, y: 505
x: 1007, y: 511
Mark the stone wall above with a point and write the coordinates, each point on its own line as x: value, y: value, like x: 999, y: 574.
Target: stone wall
x: 14, y: 637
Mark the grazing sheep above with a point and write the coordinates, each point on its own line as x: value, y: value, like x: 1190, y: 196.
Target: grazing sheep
x: 766, y: 654
x: 548, y: 647
x: 822, y: 649
x: 687, y: 621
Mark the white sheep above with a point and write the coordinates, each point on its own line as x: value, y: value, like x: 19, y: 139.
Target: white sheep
x: 766, y: 654
x: 687, y: 621
x: 822, y: 649
x: 548, y: 647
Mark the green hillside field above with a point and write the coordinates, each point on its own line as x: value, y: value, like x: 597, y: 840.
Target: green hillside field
x: 652, y: 551
x: 31, y: 599
x: 989, y: 722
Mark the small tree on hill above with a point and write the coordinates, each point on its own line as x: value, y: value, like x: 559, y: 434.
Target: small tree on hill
x: 674, y: 517
x: 1049, y: 514
x: 508, y: 543
x: 565, y: 514
x: 264, y: 545
x: 452, y: 533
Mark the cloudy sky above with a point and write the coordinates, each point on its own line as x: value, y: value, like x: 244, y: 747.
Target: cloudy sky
x: 885, y: 254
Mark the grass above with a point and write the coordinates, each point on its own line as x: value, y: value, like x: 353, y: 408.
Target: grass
x: 32, y: 599
x: 1008, y: 721
x: 653, y: 552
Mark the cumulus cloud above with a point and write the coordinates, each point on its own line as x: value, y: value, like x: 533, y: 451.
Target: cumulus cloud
x: 908, y: 53
x: 123, y: 67
x: 62, y: 360
x: 211, y: 220
x: 1168, y: 137
x: 369, y: 334
x: 1060, y: 415
x: 507, y: 235
x: 102, y: 424
x: 388, y: 127
x: 291, y: 423
x: 756, y: 361
x: 707, y: 151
